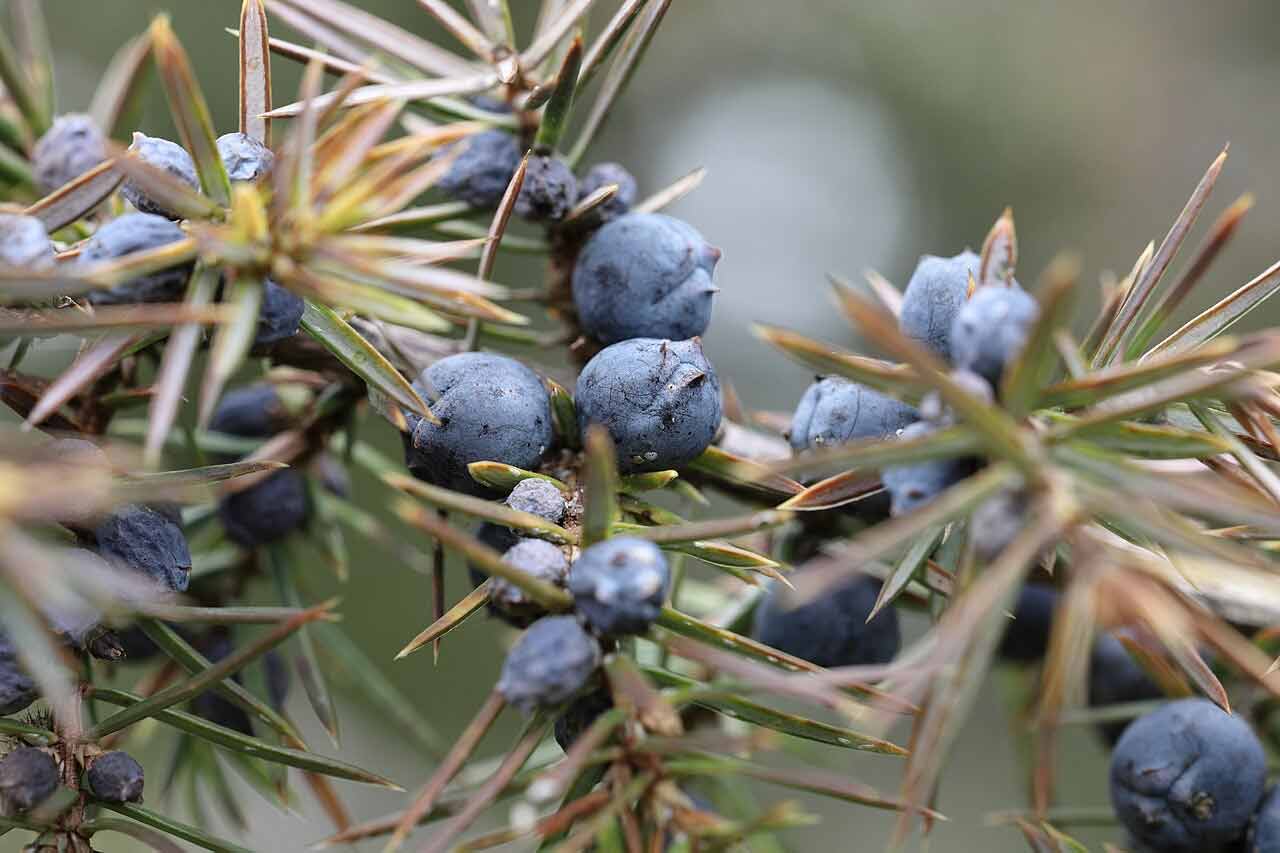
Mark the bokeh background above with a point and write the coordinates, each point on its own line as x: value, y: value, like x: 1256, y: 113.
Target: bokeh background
x: 838, y: 136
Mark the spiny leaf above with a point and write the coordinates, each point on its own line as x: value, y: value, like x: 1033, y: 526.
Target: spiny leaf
x: 912, y: 560
x: 1138, y: 297
x: 78, y: 197
x: 414, y: 90
x: 504, y: 478
x: 600, y: 498
x: 555, y: 117
x: 1026, y: 378
x: 619, y: 73
x: 243, y: 744
x: 119, y: 92
x: 255, y: 72
x: 999, y: 253
x: 554, y: 31
x: 672, y: 193
x: 193, y: 662
x: 897, y: 379
x: 19, y: 87
x: 308, y: 664
x: 734, y: 472
x: 231, y: 342
x: 196, y: 685
x: 482, y: 556
x: 564, y: 413
x: 470, y: 603
x: 835, y: 491
x: 337, y: 336
x: 608, y: 39
x: 461, y: 29
x: 105, y: 317
x: 1221, y: 316
x: 85, y: 370
x: 528, y: 523
x: 177, y: 829
x: 874, y: 454
x: 190, y: 112
x: 1219, y: 235
x: 379, y: 34
x: 175, y: 364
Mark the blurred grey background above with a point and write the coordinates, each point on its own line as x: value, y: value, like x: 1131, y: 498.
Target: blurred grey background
x: 838, y: 136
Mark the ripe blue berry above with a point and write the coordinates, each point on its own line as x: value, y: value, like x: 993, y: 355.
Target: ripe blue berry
x: 245, y: 158
x: 538, y: 497
x: 141, y: 539
x: 491, y: 408
x: 658, y: 399
x: 24, y: 242
x: 17, y: 689
x: 28, y: 777
x: 601, y: 175
x: 1187, y: 777
x: 548, y: 192
x: 70, y: 147
x: 167, y: 156
x: 1115, y: 678
x: 253, y: 411
x: 831, y: 630
x: 124, y: 235
x: 580, y: 714
x: 483, y: 168
x: 1264, y: 831
x: 991, y: 329
x: 267, y: 511
x: 835, y: 411
x: 114, y: 777
x: 537, y: 558
x: 279, y: 315
x: 644, y: 275
x: 619, y: 585
x: 554, y: 661
x: 933, y: 297
x: 1026, y: 638
x: 912, y: 486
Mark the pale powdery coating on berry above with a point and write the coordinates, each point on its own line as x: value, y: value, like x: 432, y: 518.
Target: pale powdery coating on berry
x: 602, y: 175
x: 139, y: 538
x: 912, y: 486
x: 991, y: 329
x: 28, y: 777
x: 1187, y: 777
x: 536, y: 558
x: 254, y: 411
x: 548, y: 192
x: 124, y: 235
x: 645, y: 275
x: 491, y: 408
x: 539, y: 497
x: 1264, y: 831
x: 70, y: 147
x: 1114, y: 678
x: 245, y: 158
x: 267, y: 511
x: 115, y: 777
x: 619, y: 585
x: 933, y: 297
x: 832, y: 629
x: 658, y: 399
x: 554, y: 661
x: 17, y: 689
x: 24, y: 242
x: 483, y: 168
x: 835, y: 411
x: 162, y: 154
x: 279, y: 316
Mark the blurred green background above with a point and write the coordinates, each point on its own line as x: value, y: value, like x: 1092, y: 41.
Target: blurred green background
x: 838, y: 136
